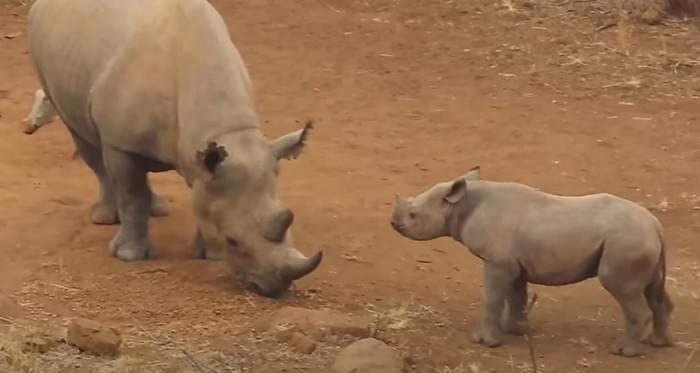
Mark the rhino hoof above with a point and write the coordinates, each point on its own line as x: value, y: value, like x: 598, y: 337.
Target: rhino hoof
x: 104, y: 214
x: 129, y: 251
x: 486, y: 339
x: 159, y: 206
x: 627, y: 349
x: 516, y: 327
x: 660, y: 341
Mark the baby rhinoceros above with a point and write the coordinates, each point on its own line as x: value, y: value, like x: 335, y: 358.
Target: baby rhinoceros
x: 526, y: 236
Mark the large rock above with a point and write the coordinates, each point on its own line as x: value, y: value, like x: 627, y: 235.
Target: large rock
x: 369, y: 356
x: 93, y: 337
x: 318, y: 324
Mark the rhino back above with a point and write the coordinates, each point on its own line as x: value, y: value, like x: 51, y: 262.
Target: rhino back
x: 71, y: 42
x: 155, y: 78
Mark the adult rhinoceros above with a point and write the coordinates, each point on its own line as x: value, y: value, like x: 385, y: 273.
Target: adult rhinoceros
x: 152, y: 86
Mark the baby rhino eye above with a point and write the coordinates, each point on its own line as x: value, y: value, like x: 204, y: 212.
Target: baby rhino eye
x: 231, y: 242
x: 412, y: 215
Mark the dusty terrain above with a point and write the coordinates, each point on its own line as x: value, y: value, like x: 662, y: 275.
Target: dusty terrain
x: 404, y: 94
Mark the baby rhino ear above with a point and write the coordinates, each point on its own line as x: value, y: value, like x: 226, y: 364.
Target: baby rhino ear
x: 473, y: 174
x: 457, y: 191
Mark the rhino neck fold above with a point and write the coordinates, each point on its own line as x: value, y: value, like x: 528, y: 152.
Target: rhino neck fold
x: 463, y: 211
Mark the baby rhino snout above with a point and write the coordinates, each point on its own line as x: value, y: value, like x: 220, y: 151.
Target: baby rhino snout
x: 397, y: 224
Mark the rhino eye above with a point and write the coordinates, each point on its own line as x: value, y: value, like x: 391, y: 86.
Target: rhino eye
x: 231, y: 242
x: 412, y: 215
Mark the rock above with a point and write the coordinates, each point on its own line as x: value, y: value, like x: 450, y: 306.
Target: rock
x: 302, y: 344
x: 369, y: 356
x: 652, y: 16
x: 93, y: 337
x: 314, y: 323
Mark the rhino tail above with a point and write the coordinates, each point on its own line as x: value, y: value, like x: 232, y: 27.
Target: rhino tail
x: 656, y: 292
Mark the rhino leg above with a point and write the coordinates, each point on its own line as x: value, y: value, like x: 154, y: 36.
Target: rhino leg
x: 130, y: 185
x: 661, y: 308
x: 516, y: 319
x: 630, y: 296
x: 498, y: 282
x: 200, y: 251
x: 104, y: 211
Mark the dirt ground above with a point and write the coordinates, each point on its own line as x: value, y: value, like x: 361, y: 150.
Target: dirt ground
x: 404, y: 94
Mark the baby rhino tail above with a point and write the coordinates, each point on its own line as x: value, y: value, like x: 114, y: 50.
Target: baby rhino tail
x: 657, y: 297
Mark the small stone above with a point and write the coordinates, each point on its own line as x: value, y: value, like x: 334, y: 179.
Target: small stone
x: 651, y: 16
x: 92, y: 337
x: 302, y: 344
x: 315, y: 323
x: 369, y: 355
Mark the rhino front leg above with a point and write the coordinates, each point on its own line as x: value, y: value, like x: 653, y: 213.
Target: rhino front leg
x: 516, y: 321
x: 498, y: 281
x: 200, y: 250
x: 130, y: 184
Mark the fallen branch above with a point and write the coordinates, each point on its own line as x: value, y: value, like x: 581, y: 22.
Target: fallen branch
x: 687, y: 361
x: 533, y: 359
x: 202, y: 368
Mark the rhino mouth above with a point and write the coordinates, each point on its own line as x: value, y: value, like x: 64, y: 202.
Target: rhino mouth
x: 264, y: 288
x: 274, y: 286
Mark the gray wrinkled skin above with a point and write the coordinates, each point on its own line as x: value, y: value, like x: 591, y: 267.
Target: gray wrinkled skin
x: 527, y: 236
x: 157, y: 86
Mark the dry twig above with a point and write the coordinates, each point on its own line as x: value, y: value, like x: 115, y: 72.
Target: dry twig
x: 687, y: 361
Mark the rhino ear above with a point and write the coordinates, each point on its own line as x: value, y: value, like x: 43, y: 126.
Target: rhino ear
x: 210, y: 158
x: 473, y: 174
x: 457, y: 191
x: 290, y: 145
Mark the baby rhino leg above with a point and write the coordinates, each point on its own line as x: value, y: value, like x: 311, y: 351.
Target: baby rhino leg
x: 628, y: 290
x: 498, y: 282
x: 516, y: 319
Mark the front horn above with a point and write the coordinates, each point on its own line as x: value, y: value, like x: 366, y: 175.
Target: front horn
x: 301, y: 266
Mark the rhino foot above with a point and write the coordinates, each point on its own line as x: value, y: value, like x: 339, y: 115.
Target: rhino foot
x: 627, y: 349
x: 129, y: 250
x: 520, y: 327
x: 488, y: 339
x: 660, y: 340
x: 104, y: 214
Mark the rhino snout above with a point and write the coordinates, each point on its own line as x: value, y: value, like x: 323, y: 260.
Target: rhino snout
x: 274, y: 286
x: 269, y: 289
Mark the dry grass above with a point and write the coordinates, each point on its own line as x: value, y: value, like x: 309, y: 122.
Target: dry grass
x: 30, y: 349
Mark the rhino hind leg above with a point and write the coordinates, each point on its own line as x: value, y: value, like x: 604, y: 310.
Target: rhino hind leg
x: 636, y: 311
x: 134, y: 198
x: 104, y: 211
x: 516, y: 319
x: 661, y: 307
